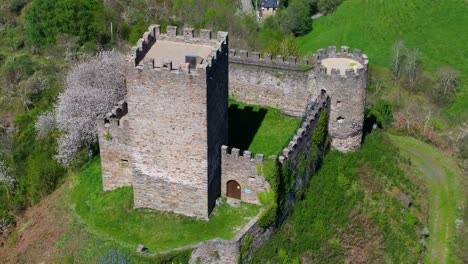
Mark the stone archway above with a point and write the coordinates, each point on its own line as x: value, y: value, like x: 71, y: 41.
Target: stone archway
x: 233, y: 189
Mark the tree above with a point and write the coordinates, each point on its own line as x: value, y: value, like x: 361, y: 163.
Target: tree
x: 396, y: 66
x: 296, y: 18
x: 286, y: 47
x: 412, y: 67
x: 45, y: 19
x: 398, y: 57
x: 92, y: 88
x: 448, y: 80
x: 447, y: 83
x: 328, y: 6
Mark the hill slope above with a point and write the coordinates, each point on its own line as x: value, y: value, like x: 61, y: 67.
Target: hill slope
x: 437, y: 28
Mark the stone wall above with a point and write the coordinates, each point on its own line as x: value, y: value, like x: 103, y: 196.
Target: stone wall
x: 348, y: 97
x: 299, y: 155
x: 243, y: 169
x: 175, y: 143
x: 217, y: 119
x: 288, y: 85
x: 228, y: 251
x: 114, y: 148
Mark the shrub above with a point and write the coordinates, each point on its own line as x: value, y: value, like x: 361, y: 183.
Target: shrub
x: 380, y: 114
x: 45, y: 19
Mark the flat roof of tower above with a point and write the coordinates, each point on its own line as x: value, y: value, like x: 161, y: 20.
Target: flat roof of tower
x: 163, y: 50
x: 341, y: 64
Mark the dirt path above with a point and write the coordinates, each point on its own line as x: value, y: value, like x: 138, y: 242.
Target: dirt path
x: 37, y: 232
x: 438, y: 170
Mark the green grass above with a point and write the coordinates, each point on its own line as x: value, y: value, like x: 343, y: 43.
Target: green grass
x: 274, y: 131
x: 437, y: 28
x: 445, y: 195
x: 350, y: 206
x: 111, y: 216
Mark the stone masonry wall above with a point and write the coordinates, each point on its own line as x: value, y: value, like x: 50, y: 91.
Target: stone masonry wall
x: 243, y: 169
x: 114, y: 148
x: 287, y: 85
x: 348, y: 97
x: 169, y: 130
x: 228, y: 251
x: 217, y: 119
x: 297, y: 155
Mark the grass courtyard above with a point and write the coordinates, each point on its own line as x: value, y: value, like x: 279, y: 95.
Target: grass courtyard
x: 111, y: 216
x: 259, y: 129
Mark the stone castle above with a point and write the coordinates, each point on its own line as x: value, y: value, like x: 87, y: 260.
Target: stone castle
x: 169, y: 138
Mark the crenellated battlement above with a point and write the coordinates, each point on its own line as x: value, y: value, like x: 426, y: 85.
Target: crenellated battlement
x: 278, y: 61
x: 112, y: 118
x: 353, y: 64
x: 309, y: 122
x: 235, y: 153
x: 138, y: 54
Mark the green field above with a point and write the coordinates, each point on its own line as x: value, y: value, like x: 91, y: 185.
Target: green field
x: 437, y: 28
x: 439, y: 172
x: 111, y: 216
x: 260, y: 129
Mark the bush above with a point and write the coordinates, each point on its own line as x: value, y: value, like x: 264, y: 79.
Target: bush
x: 17, y: 5
x: 296, y: 18
x: 268, y: 217
x: 137, y: 31
x: 45, y: 19
x: 380, y: 114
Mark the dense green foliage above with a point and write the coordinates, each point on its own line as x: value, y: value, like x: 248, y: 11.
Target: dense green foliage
x: 346, y: 190
x: 380, y: 114
x: 436, y: 28
x: 47, y: 18
x: 111, y: 212
x: 27, y: 86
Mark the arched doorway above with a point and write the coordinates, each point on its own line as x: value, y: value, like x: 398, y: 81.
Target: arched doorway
x: 233, y: 189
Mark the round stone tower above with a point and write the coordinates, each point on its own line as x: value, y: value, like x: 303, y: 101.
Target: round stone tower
x: 343, y: 76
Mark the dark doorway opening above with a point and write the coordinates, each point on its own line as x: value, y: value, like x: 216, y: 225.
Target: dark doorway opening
x: 233, y: 189
x: 244, y: 124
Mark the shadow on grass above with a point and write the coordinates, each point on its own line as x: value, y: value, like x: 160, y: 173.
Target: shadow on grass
x: 243, y: 125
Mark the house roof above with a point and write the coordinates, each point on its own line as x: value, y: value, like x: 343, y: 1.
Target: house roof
x: 270, y: 3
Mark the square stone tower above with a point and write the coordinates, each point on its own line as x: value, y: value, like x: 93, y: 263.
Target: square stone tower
x: 177, y: 120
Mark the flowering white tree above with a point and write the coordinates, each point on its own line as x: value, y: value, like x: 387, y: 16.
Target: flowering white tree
x: 92, y: 88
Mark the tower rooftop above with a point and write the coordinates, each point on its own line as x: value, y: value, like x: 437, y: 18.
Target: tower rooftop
x: 341, y: 64
x: 166, y: 50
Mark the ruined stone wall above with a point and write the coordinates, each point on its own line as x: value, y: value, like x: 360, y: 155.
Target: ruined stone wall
x: 228, y: 251
x: 169, y: 130
x: 348, y: 97
x: 243, y: 169
x: 114, y: 148
x: 298, y: 157
x: 287, y: 85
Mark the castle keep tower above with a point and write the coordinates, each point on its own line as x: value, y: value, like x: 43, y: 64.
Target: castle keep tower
x: 343, y: 76
x: 170, y: 139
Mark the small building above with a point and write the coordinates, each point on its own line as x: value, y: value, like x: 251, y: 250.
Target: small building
x: 269, y: 7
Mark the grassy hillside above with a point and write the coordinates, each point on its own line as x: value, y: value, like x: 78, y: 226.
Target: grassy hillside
x: 437, y: 28
x: 440, y: 173
x: 352, y: 212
